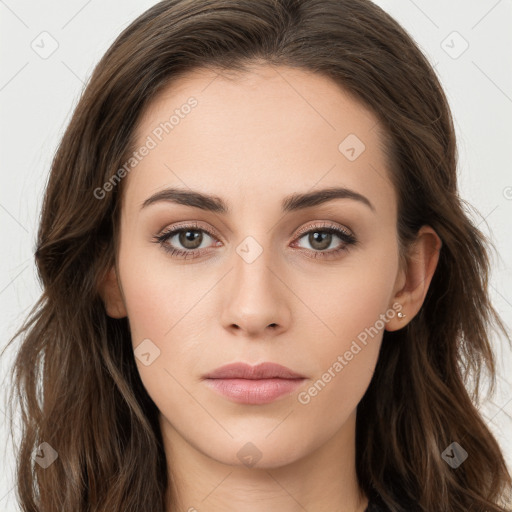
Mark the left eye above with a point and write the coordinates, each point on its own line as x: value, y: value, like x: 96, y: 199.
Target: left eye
x: 321, y: 239
x: 191, y: 238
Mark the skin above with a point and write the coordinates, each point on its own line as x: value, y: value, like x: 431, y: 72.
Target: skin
x: 253, y: 139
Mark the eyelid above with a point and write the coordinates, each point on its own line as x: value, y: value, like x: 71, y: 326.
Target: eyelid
x: 190, y: 225
x: 323, y: 225
x: 212, y: 231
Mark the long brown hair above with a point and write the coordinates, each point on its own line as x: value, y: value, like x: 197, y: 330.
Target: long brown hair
x: 74, y: 376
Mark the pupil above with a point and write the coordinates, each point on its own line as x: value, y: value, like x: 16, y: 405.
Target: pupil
x: 320, y: 240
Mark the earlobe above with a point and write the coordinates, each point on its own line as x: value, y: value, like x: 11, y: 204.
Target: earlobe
x: 110, y: 292
x: 415, y: 279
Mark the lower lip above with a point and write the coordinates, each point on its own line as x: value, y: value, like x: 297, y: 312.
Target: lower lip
x: 257, y: 391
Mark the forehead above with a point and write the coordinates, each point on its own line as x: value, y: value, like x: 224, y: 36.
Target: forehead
x: 265, y: 132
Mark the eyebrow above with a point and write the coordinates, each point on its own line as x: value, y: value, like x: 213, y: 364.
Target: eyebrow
x: 291, y: 203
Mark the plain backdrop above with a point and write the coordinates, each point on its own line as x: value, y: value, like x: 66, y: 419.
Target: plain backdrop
x: 468, y: 42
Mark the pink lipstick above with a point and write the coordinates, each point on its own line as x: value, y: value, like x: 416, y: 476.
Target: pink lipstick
x: 260, y: 384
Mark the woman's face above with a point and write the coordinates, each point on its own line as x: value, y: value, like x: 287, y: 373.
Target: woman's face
x: 265, y: 269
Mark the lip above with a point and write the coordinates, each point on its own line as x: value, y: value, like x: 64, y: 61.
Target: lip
x: 246, y: 371
x: 260, y: 384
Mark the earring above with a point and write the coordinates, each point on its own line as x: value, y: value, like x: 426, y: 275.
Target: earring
x: 400, y: 315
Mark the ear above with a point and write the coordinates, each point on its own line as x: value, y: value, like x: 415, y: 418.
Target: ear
x: 414, y: 280
x: 110, y: 292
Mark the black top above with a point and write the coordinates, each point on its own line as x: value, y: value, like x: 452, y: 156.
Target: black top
x: 375, y: 507
x: 375, y: 502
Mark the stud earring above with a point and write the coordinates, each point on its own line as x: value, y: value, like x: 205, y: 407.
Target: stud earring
x: 400, y: 315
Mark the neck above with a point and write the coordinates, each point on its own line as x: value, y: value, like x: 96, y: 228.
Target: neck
x: 324, y: 480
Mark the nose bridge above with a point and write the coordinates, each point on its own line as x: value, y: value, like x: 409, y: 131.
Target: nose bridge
x: 255, y: 300
x: 251, y: 268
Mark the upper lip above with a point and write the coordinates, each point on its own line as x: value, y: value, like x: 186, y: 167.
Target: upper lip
x: 246, y: 371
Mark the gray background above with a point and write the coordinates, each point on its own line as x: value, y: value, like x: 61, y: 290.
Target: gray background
x: 38, y: 93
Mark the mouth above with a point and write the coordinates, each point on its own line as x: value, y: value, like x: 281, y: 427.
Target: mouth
x: 246, y: 384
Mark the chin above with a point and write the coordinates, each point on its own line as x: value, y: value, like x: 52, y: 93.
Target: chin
x: 256, y: 448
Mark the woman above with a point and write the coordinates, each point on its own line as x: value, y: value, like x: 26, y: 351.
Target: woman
x: 261, y: 290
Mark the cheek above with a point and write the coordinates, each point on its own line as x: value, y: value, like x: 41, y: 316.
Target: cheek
x: 345, y: 361
x: 167, y: 320
x: 159, y: 295
x: 354, y: 307
x: 347, y: 302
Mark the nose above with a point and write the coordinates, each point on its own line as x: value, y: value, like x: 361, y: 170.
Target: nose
x: 255, y: 298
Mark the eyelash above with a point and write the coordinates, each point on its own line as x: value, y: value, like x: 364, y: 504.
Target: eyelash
x: 347, y: 238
